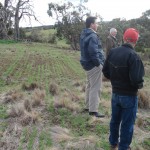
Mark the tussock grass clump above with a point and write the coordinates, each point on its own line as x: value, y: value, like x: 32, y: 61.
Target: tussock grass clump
x: 53, y: 89
x: 88, y: 143
x: 144, y: 99
x: 77, y: 84
x: 27, y: 105
x: 16, y: 111
x: 139, y: 122
x: 38, y: 97
x: 30, y: 87
x: 138, y: 148
x: 94, y: 121
x: 74, y: 97
x: 29, y: 118
x: 8, y: 80
x: 16, y: 95
x: 60, y: 134
x: 12, y: 96
x: 83, y: 88
x: 66, y: 103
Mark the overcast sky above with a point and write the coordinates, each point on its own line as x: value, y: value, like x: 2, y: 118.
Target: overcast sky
x: 108, y: 9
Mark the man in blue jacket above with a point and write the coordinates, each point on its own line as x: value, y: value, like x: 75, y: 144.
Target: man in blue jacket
x: 125, y: 70
x: 92, y: 60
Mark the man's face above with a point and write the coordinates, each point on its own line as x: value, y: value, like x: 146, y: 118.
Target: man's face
x: 114, y: 33
x: 94, y: 26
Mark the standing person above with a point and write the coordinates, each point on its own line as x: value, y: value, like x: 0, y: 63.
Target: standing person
x: 125, y: 70
x: 92, y: 60
x: 111, y: 41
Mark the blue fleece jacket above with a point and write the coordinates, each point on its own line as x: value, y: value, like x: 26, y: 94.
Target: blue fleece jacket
x: 92, y: 53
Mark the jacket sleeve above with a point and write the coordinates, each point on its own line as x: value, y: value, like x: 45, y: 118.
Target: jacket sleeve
x: 105, y: 69
x: 136, y: 71
x: 93, y: 51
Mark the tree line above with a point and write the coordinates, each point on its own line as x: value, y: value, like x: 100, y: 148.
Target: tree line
x: 70, y: 20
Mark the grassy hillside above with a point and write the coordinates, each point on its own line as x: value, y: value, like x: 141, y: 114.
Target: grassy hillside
x: 41, y: 100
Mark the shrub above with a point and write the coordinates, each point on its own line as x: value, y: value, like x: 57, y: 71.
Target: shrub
x: 52, y: 39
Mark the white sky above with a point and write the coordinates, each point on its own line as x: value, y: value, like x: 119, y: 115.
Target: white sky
x: 108, y: 9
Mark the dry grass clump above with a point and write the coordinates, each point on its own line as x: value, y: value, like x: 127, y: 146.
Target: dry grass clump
x: 83, y: 88
x: 88, y: 143
x: 53, y: 89
x: 77, y: 83
x: 139, y: 122
x: 106, y: 104
x: 16, y: 95
x: 38, y: 97
x: 30, y: 87
x: 144, y: 99
x: 52, y: 148
x: 138, y: 148
x: 29, y: 118
x: 74, y: 97
x: 16, y: 111
x: 60, y: 134
x: 94, y: 121
x: 8, y: 80
x: 66, y: 103
x: 27, y: 105
x: 12, y: 96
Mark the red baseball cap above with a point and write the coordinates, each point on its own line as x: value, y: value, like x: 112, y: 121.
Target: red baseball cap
x: 131, y: 35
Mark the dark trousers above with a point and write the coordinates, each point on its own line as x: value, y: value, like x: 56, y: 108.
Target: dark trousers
x: 124, y: 110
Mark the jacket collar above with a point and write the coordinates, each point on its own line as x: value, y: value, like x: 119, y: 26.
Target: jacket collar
x: 128, y: 45
x: 92, y: 30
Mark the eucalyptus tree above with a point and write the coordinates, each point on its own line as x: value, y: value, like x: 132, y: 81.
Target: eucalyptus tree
x: 69, y: 21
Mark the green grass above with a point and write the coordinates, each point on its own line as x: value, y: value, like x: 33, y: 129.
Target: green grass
x: 38, y: 63
x: 32, y: 139
x: 146, y: 143
x: 44, y: 140
x: 45, y: 32
x: 3, y: 114
x: 42, y: 64
x: 7, y: 41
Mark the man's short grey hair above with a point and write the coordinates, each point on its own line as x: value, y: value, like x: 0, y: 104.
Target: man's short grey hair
x: 113, y: 30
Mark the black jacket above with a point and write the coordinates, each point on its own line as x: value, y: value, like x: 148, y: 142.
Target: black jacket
x: 125, y: 70
x: 92, y: 53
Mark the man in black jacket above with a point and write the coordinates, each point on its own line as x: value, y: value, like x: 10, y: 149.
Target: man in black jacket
x: 92, y: 60
x: 125, y: 70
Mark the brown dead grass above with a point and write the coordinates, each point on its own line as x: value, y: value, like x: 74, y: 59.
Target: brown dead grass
x: 88, y: 143
x: 12, y: 96
x: 38, y: 97
x: 139, y: 122
x: 29, y: 118
x: 27, y: 105
x: 77, y: 83
x: 71, y: 95
x: 83, y: 88
x: 64, y: 102
x: 60, y: 134
x: 53, y: 89
x: 105, y: 103
x: 144, y: 99
x: 16, y: 111
x: 30, y: 87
